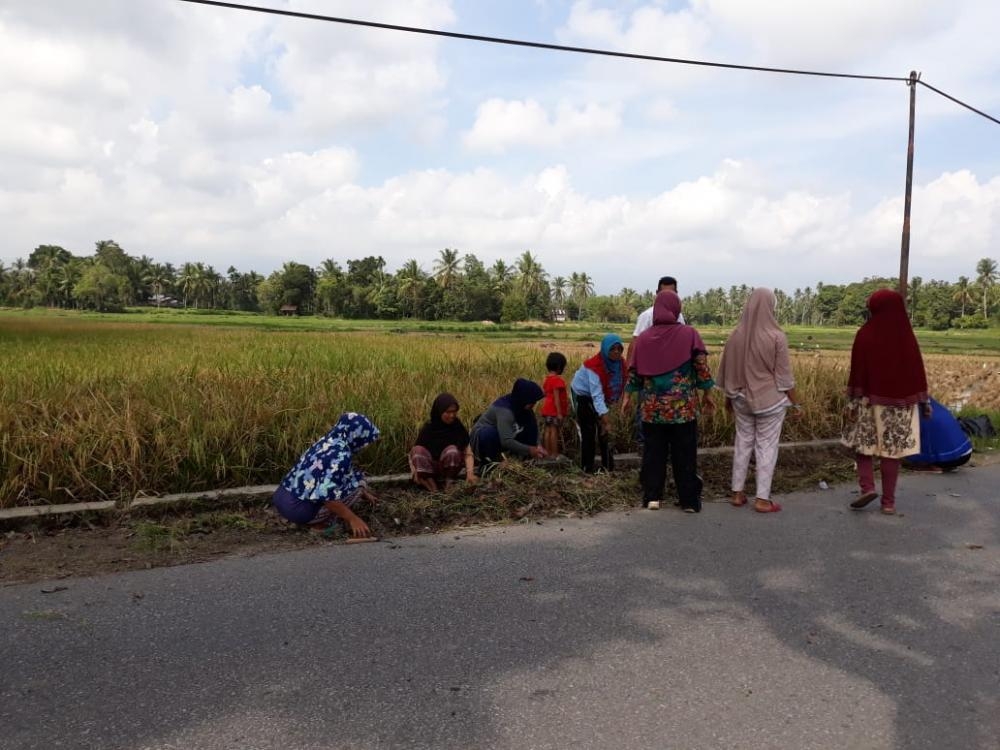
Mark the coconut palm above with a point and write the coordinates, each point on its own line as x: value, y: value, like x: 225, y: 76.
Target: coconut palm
x: 160, y: 279
x: 986, y: 278
x: 447, y: 267
x: 501, y: 275
x: 530, y: 274
x: 410, y: 282
x: 963, y: 293
x: 581, y: 289
x: 330, y: 269
x: 559, y: 287
x: 66, y: 277
x: 190, y: 282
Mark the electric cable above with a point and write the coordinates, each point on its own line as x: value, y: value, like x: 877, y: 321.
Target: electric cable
x: 579, y: 50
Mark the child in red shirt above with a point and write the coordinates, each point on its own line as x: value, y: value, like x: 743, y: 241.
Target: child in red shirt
x: 556, y: 404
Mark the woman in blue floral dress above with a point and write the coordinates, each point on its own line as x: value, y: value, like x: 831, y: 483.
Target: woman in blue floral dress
x: 324, y: 485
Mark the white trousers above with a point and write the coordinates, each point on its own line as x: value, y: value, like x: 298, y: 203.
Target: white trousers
x: 758, y: 434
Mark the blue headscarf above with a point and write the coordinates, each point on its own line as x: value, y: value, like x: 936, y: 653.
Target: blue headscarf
x: 614, y: 367
x: 325, y: 471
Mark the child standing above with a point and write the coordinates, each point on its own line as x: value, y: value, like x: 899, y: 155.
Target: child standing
x: 556, y: 404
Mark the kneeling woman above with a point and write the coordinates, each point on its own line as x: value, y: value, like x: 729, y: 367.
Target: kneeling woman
x: 324, y: 485
x: 509, y: 425
x: 442, y: 447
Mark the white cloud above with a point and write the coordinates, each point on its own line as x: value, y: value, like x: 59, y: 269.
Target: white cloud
x: 502, y: 124
x: 956, y: 221
x: 825, y: 32
x: 647, y: 30
x: 727, y: 227
x: 193, y: 133
x: 346, y: 76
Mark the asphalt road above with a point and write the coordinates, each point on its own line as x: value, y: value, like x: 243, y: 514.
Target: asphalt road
x: 813, y: 628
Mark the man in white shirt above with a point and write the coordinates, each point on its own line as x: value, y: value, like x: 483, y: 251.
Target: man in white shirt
x: 645, y: 319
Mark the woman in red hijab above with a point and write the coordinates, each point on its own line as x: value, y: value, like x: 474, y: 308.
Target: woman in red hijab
x: 886, y: 384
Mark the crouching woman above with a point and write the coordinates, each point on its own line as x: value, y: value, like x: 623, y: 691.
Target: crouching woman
x: 324, y: 485
x: 509, y: 426
x: 442, y: 447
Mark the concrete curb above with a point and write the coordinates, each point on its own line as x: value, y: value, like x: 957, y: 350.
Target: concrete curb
x: 629, y: 460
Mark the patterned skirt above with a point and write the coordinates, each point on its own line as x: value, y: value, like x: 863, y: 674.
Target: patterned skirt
x: 886, y: 431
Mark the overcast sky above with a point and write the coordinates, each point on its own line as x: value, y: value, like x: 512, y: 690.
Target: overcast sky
x: 189, y: 133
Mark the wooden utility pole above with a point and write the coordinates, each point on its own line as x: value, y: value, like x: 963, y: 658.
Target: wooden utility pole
x: 904, y: 250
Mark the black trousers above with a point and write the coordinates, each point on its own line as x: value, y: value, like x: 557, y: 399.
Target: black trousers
x: 677, y: 443
x: 591, y: 437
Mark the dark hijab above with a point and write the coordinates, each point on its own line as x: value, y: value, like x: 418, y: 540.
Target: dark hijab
x: 886, y: 365
x: 523, y: 393
x: 436, y: 435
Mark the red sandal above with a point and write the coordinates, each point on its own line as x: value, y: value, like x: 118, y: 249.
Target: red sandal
x: 772, y: 507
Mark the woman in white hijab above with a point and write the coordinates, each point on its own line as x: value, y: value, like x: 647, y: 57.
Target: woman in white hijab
x: 756, y: 375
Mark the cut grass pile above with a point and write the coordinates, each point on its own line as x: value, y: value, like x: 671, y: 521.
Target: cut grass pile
x: 88, y: 544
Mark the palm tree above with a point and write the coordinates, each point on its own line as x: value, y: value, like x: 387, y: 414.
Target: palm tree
x: 160, y: 278
x: 530, y: 274
x: 330, y: 269
x: 190, y: 281
x: 559, y: 287
x: 213, y: 284
x: 581, y: 288
x: 501, y: 275
x: 986, y: 277
x: 67, y: 276
x: 410, y: 280
x: 447, y: 267
x: 963, y: 293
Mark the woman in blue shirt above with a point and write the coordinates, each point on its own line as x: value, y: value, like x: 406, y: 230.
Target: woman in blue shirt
x: 597, y: 385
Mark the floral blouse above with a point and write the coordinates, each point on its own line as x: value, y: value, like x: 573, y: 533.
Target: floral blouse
x: 672, y: 398
x: 325, y: 472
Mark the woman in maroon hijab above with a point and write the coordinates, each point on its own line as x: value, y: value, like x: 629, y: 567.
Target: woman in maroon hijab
x: 886, y: 384
x: 668, y: 369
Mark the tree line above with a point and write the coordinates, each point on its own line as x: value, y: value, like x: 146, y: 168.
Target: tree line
x: 457, y: 287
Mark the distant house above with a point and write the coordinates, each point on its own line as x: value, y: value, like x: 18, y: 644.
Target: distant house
x: 559, y: 316
x: 163, y: 300
x: 289, y: 310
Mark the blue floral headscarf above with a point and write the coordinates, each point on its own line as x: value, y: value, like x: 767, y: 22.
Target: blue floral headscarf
x: 614, y: 367
x: 325, y: 471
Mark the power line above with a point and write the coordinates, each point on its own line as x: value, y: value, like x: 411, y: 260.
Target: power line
x: 535, y: 45
x: 579, y: 50
x: 959, y: 102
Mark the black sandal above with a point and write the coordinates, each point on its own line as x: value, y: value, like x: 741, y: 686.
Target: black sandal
x: 862, y: 501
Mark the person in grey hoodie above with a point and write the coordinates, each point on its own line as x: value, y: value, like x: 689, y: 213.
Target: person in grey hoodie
x: 509, y: 425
